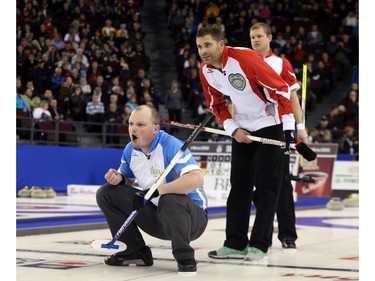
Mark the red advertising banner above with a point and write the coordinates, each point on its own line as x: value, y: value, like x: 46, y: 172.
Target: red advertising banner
x: 320, y: 169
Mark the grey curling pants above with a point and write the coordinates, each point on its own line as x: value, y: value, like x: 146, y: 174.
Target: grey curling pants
x: 176, y: 218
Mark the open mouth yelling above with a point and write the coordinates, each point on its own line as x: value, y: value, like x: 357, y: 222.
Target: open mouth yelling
x: 134, y: 138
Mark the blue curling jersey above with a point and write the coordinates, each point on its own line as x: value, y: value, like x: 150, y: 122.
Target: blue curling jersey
x: 146, y: 169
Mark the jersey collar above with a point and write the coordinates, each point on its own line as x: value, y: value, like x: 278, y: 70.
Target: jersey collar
x: 271, y: 53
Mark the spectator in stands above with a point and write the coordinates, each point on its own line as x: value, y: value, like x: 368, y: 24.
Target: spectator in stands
x: 192, y: 84
x: 63, y: 60
x: 119, y: 93
x: 314, y: 36
x: 146, y: 97
x: 321, y: 133
x: 350, y: 23
x: 93, y: 72
x: 148, y: 86
x: 266, y: 12
x: 174, y: 102
x: 115, y: 86
x: 190, y: 64
x: 202, y: 109
x: 58, y: 42
x: 125, y: 115
x: 108, y: 74
x: 64, y: 93
x: 102, y: 84
x: 336, y: 118
x: 81, y: 57
x: 21, y: 103
x: 280, y: 43
x: 132, y: 102
x: 219, y: 24
x: 177, y: 21
x: 72, y: 37
x: 301, y: 35
x: 41, y: 77
x: 351, y: 104
x: 86, y: 88
x: 53, y: 55
x: 342, y: 58
x: 107, y: 29
x: 41, y: 112
x: 28, y: 66
x: 31, y: 100
x: 122, y: 33
x: 77, y: 104
x: 57, y: 78
x: 48, y: 95
x: 125, y: 72
x: 348, y: 143
x: 203, y: 23
x: 54, y: 110
x: 331, y: 45
x: 321, y: 76
x: 112, y: 117
x: 95, y: 111
x: 191, y: 22
x: 330, y: 66
x: 75, y: 74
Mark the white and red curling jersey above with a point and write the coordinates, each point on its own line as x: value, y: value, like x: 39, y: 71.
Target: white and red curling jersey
x: 259, y: 94
x: 283, y: 67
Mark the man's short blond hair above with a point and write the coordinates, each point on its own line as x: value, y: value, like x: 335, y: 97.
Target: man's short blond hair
x: 155, y: 116
x: 266, y: 28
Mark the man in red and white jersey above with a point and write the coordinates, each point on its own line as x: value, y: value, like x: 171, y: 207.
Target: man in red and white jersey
x: 263, y: 107
x: 260, y: 38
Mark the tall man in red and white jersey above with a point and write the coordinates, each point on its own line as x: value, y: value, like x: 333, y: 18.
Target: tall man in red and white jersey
x: 260, y: 38
x: 263, y: 106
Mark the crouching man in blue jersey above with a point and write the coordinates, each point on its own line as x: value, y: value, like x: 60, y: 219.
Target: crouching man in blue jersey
x: 177, y: 209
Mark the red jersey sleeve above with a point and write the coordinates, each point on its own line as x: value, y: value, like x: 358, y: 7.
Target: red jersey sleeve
x: 214, y: 99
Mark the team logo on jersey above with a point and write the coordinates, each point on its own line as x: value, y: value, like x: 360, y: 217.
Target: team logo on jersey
x: 237, y: 81
x: 155, y: 170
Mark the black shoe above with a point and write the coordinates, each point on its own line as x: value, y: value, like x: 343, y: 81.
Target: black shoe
x: 289, y: 245
x: 187, y: 267
x: 143, y: 258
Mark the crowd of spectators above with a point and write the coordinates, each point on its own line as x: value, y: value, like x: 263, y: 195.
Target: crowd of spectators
x: 323, y: 34
x: 89, y: 57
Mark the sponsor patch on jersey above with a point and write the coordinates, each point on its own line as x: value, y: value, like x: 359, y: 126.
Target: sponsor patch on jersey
x: 216, y: 84
x: 237, y: 81
x: 270, y: 110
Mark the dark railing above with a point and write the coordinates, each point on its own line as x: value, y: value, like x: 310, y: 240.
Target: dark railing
x: 71, y: 133
x: 85, y: 134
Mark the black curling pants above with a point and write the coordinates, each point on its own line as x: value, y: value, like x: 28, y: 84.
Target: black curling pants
x: 285, y: 211
x: 286, y: 216
x: 259, y: 165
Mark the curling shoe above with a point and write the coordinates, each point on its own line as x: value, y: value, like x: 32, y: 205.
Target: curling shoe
x: 142, y: 257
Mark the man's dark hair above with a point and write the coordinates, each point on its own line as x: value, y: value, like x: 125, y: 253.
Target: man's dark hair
x: 215, y: 33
